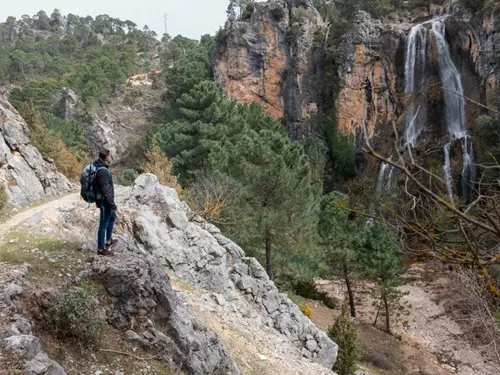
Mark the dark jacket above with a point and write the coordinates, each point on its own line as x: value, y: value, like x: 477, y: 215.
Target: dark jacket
x: 104, y: 185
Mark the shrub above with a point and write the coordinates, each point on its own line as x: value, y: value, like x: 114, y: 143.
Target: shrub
x: 307, y: 289
x: 158, y: 163
x: 74, y: 316
x: 307, y: 310
x: 278, y: 14
x: 49, y: 145
x: 128, y: 177
x: 3, y: 197
x: 343, y: 333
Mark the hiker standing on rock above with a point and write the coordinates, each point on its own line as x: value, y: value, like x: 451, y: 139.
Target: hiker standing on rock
x: 105, y: 201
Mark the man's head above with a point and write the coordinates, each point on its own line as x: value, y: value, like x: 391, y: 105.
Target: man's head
x: 105, y: 156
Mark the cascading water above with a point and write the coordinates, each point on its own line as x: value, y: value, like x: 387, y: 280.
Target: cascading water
x: 453, y: 93
x: 416, y: 118
x: 384, y: 178
x: 448, y: 179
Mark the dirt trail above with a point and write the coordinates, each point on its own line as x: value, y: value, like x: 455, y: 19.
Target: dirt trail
x: 46, y: 212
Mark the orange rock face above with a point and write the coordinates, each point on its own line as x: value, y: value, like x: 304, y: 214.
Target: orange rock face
x: 365, y: 96
x: 263, y: 86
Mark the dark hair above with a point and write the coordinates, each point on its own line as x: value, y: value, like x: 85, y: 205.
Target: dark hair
x: 104, y: 153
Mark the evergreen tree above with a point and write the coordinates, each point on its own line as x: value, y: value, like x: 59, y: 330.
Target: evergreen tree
x: 343, y: 333
x: 382, y: 263
x: 206, y: 117
x: 279, y: 197
x: 343, y: 237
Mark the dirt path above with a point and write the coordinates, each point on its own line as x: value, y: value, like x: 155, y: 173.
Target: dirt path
x: 46, y: 212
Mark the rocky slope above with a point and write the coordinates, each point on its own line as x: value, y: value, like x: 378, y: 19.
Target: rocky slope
x: 216, y: 312
x: 27, y: 176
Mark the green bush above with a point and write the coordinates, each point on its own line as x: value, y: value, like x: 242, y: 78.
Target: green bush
x: 128, y: 177
x: 343, y: 333
x: 307, y: 289
x: 3, y: 197
x: 474, y: 5
x: 278, y: 14
x: 74, y: 316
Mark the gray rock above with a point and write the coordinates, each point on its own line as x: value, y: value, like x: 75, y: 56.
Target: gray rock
x: 311, y: 345
x: 271, y: 302
x: 246, y: 282
x: 178, y: 219
x: 38, y: 365
x: 180, y: 339
x: 26, y: 175
x: 12, y: 290
x: 221, y: 301
x: 26, y: 345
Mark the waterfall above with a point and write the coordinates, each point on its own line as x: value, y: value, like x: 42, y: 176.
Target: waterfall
x: 453, y: 93
x: 416, y: 117
x: 384, y: 178
x: 448, y: 178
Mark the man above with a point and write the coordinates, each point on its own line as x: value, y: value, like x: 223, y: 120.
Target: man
x: 106, y: 203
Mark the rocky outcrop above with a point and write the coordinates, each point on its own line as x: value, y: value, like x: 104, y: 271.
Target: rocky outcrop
x: 198, y: 253
x: 27, y: 176
x: 370, y: 70
x: 267, y: 58
x: 165, y: 232
x: 144, y: 295
x: 18, y: 336
x: 65, y: 105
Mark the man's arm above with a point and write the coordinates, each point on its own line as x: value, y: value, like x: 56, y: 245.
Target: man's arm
x: 104, y: 186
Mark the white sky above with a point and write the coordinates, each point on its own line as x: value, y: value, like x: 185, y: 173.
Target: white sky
x: 191, y: 18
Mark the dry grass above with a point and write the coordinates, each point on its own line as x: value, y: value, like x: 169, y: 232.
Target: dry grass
x: 474, y: 309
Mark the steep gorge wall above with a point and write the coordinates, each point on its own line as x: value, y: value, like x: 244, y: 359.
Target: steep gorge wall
x: 27, y: 176
x: 369, y: 63
x: 268, y: 59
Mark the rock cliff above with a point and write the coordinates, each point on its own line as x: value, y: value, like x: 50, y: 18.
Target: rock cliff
x: 268, y: 58
x: 280, y: 64
x: 27, y: 176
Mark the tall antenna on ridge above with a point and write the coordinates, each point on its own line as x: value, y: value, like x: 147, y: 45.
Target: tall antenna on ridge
x: 166, y: 29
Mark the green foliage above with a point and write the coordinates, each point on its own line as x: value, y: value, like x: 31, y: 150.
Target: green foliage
x: 48, y: 144
x: 75, y: 316
x: 343, y: 333
x: 278, y: 13
x: 128, y: 177
x: 342, y: 148
x: 71, y: 132
x: 192, y: 68
x: 381, y: 262
x: 78, y: 59
x: 3, y: 197
x: 474, y: 5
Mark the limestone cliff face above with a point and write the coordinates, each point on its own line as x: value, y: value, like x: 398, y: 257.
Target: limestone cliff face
x: 267, y: 58
x: 370, y: 66
x: 27, y: 176
x: 279, y: 62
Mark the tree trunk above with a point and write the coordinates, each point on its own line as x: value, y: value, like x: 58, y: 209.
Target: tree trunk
x: 349, y: 291
x: 387, y: 317
x: 269, y: 254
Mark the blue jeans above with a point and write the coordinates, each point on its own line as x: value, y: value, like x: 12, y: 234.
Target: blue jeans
x: 107, y: 221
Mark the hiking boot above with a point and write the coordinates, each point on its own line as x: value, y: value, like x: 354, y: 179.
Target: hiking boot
x: 105, y: 253
x: 111, y: 244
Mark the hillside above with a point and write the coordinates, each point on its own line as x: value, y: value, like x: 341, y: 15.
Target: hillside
x: 313, y: 190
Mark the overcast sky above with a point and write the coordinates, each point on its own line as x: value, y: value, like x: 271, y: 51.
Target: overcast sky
x: 190, y: 18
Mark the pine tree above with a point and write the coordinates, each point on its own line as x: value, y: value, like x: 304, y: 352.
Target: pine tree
x: 278, y: 195
x: 343, y: 237
x: 343, y: 333
x: 381, y: 262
